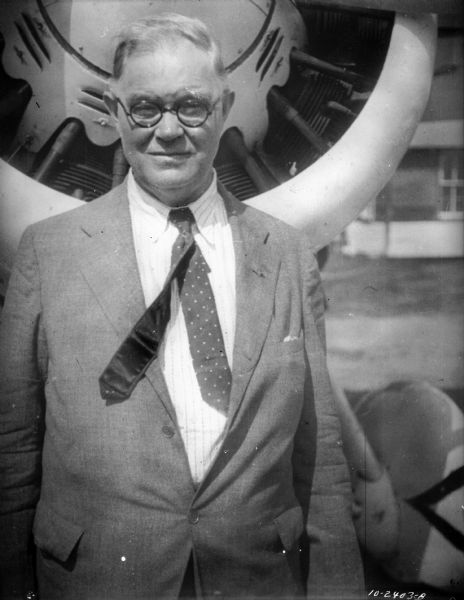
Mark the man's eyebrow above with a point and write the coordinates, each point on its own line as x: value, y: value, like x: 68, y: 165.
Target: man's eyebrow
x: 194, y: 96
x: 192, y: 93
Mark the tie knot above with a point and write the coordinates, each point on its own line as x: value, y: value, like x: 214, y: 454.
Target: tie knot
x: 182, y: 218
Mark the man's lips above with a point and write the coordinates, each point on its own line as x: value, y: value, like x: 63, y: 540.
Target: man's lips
x: 169, y: 154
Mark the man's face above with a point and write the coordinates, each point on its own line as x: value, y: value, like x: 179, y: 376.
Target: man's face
x: 171, y: 161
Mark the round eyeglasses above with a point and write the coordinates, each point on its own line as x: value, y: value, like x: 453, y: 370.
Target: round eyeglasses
x: 191, y: 112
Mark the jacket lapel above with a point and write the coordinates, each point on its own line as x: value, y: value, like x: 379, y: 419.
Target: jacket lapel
x: 257, y: 268
x: 108, y: 262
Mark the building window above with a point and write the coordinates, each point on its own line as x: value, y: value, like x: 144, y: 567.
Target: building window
x: 451, y: 182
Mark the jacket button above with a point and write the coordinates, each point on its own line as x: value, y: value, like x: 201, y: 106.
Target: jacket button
x: 167, y: 431
x: 193, y: 517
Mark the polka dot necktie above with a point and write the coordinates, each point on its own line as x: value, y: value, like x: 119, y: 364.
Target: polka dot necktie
x: 204, y: 331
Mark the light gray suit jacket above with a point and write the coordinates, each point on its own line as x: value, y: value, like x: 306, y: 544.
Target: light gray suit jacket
x: 106, y: 488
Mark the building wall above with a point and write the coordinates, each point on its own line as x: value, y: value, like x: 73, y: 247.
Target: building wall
x: 412, y: 194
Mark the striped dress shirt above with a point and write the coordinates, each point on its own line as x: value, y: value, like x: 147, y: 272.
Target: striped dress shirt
x: 201, y: 426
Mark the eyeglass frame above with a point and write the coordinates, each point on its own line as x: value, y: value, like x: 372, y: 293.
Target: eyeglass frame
x: 163, y: 109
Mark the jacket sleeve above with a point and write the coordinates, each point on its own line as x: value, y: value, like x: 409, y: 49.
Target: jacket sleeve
x: 21, y: 422
x: 322, y: 481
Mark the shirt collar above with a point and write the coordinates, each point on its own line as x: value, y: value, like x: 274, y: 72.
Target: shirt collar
x: 208, y: 209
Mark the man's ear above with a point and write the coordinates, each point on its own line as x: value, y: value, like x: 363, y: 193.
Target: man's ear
x: 111, y: 103
x: 227, y: 102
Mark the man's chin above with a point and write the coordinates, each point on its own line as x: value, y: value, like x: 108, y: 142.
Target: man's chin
x: 174, y: 187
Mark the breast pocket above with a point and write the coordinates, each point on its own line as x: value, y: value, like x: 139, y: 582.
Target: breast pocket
x: 283, y: 353
x: 291, y: 345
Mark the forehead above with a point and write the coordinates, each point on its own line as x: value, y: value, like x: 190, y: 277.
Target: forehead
x: 169, y: 71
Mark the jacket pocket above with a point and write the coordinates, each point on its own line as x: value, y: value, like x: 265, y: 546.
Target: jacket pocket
x: 290, y: 526
x: 54, y: 534
x: 289, y: 345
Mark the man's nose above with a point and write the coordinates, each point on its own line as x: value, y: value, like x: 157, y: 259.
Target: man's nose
x: 168, y: 127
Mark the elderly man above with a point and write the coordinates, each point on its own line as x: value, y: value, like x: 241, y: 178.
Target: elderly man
x: 168, y: 427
